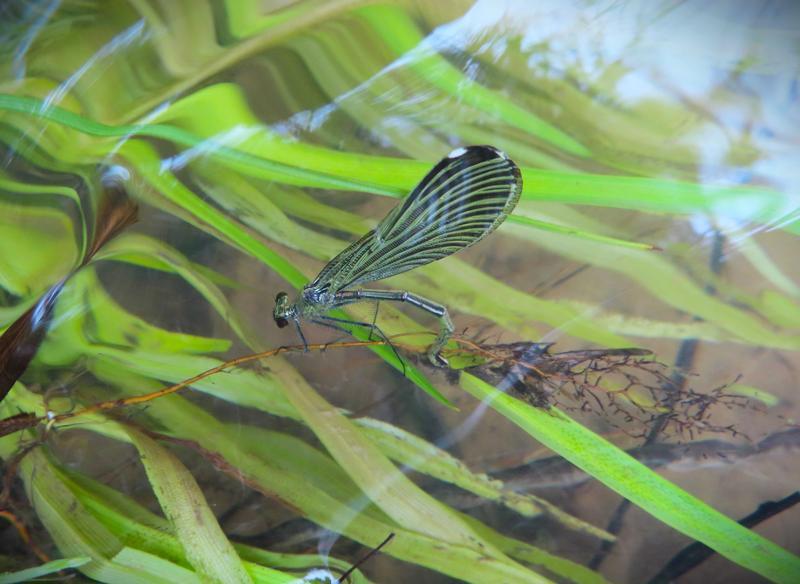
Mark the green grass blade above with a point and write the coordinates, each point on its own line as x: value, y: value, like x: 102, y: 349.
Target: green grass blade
x: 23, y: 189
x: 137, y: 244
x: 271, y: 477
x: 393, y: 25
x: 74, y: 530
x: 268, y: 156
x: 111, y: 325
x: 43, y: 244
x: 183, y: 503
x: 148, y: 563
x: 51, y: 567
x: 554, y: 227
x: 666, y: 281
x: 643, y: 487
x: 414, y: 452
x: 571, y: 571
x: 147, y: 532
x: 368, y: 467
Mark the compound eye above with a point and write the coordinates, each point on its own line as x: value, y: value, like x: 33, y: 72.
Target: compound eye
x: 281, y: 322
x: 281, y: 296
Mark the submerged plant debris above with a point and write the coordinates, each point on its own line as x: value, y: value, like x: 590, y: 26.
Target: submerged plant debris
x: 628, y: 387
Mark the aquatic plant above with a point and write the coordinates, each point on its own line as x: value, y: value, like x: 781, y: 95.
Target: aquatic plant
x: 257, y: 142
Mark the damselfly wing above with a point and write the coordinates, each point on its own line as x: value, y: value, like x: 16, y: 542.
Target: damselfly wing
x: 460, y: 201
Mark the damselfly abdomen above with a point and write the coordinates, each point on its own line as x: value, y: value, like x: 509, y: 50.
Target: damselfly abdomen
x: 460, y: 201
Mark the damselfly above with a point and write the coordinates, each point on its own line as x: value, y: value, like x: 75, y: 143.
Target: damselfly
x: 459, y: 202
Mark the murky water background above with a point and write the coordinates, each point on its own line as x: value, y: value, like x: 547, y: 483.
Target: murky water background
x: 669, y: 90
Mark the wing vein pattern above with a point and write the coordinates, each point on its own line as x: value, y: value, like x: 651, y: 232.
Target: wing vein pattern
x: 459, y: 202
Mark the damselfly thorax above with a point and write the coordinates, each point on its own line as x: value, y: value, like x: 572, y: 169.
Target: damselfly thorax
x: 460, y: 201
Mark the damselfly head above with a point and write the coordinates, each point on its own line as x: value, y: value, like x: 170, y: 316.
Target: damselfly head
x: 281, y: 312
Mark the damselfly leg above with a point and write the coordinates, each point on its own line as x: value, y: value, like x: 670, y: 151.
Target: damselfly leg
x: 302, y: 336
x: 375, y: 317
x: 446, y: 325
x: 335, y: 323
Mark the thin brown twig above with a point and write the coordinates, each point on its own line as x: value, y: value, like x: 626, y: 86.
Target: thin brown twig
x: 496, y: 357
x: 27, y: 420
x: 143, y: 398
x: 24, y: 534
x: 11, y: 470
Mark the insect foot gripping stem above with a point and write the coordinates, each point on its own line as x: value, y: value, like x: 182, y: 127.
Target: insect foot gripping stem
x: 435, y: 350
x: 437, y: 360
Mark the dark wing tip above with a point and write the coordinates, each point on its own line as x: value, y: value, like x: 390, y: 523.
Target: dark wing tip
x: 481, y: 153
